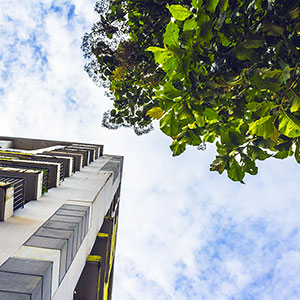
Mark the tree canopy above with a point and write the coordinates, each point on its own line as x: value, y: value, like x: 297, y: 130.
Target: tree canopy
x: 215, y: 71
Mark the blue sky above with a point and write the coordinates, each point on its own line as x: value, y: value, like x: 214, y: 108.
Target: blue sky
x: 184, y: 232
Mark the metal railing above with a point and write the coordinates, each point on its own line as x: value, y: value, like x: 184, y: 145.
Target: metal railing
x: 62, y: 167
x: 44, y: 170
x: 58, y: 154
x: 19, y: 190
x: 61, y: 151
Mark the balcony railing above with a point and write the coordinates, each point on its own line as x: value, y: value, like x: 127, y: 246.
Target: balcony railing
x: 44, y: 170
x: 19, y: 190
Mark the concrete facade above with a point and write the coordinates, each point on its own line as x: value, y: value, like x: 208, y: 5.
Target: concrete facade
x: 49, y: 243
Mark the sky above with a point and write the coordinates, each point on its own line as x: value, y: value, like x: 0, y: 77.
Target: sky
x: 185, y: 233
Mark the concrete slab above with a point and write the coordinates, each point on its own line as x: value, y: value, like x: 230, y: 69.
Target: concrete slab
x: 78, y: 205
x: 67, y: 235
x: 32, y: 267
x: 52, y: 243
x: 70, y: 219
x: 51, y: 255
x: 21, y: 283
x: 66, y: 226
x: 13, y: 296
x: 112, y: 166
x: 75, y: 213
x: 72, y: 206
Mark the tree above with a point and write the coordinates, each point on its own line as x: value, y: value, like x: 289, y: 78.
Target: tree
x: 116, y: 50
x: 219, y: 71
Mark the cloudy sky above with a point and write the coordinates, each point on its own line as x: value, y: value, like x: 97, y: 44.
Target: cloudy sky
x: 184, y: 232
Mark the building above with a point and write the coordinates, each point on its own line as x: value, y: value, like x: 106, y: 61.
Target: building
x: 59, y: 204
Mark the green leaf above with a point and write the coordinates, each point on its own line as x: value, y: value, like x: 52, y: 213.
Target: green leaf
x: 171, y: 35
x: 249, y: 166
x: 193, y: 137
x: 267, y: 144
x: 234, y: 137
x: 257, y: 153
x: 272, y: 78
x: 200, y: 120
x: 169, y: 124
x: 297, y: 154
x: 133, y: 36
x: 249, y: 44
x: 221, y: 149
x: 294, y: 13
x: 202, y: 18
x: 272, y: 84
x: 162, y: 56
x: 272, y: 29
x: 296, y: 102
x: 185, y: 115
x: 243, y: 53
x: 244, y: 127
x: 170, y: 66
x: 178, y: 147
x: 268, y: 73
x: 237, y: 80
x: 253, y: 106
x: 261, y: 108
x: 155, y: 112
x: 156, y: 49
x: 281, y: 154
x: 286, y: 75
x: 210, y: 137
x: 235, y: 171
x: 289, y: 125
x: 211, y: 116
x: 275, y: 135
x: 206, y: 32
x: 197, y: 3
x: 192, y: 125
x: 212, y: 4
x: 258, y: 3
x: 262, y: 127
x: 224, y: 40
x: 285, y: 146
x: 170, y: 91
x: 225, y: 136
x: 165, y: 103
x: 218, y: 165
x: 179, y: 12
x: 223, y: 5
x: 189, y: 24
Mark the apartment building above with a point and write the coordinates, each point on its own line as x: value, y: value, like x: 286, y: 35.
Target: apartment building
x: 59, y: 206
